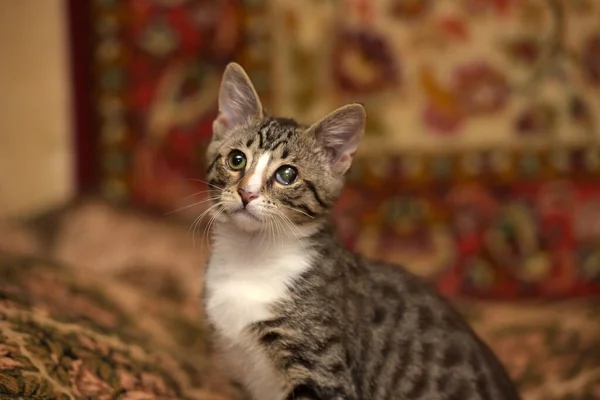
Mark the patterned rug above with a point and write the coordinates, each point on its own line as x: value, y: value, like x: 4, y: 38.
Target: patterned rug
x: 480, y: 164
x: 100, y: 303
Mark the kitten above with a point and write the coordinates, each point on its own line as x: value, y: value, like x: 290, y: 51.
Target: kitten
x: 296, y: 314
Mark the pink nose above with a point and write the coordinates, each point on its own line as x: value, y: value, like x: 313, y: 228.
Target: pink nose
x: 247, y: 197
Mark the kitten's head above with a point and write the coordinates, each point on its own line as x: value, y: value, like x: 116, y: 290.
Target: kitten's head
x: 274, y: 171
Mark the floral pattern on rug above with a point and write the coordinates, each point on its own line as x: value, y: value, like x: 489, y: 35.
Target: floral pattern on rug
x: 468, y: 74
x: 493, y: 235
x: 480, y: 115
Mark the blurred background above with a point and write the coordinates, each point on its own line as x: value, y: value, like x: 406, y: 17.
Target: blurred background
x: 480, y: 170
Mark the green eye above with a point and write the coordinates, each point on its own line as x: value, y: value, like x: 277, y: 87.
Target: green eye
x: 286, y: 175
x: 236, y: 160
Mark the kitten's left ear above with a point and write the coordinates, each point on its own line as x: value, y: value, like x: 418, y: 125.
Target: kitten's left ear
x: 339, y: 133
x: 238, y: 101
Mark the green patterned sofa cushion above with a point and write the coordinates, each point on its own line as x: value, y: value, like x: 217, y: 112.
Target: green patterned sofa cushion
x: 97, y: 303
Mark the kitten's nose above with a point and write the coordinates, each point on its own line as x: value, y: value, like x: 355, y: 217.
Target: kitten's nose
x: 247, y: 197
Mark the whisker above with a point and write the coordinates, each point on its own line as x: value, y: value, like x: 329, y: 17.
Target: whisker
x: 193, y: 228
x: 193, y: 205
x: 211, y: 223
x: 206, y: 183
x: 204, y: 231
x: 297, y: 210
x: 277, y: 225
x: 294, y: 230
x: 262, y: 236
x: 197, y: 193
x: 288, y: 222
x: 208, y: 226
x: 283, y: 229
x: 271, y: 232
x: 199, y: 220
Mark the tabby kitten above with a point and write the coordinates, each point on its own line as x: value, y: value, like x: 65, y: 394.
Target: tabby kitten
x: 296, y: 314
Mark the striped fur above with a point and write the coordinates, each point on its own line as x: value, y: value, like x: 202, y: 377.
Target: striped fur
x: 296, y: 314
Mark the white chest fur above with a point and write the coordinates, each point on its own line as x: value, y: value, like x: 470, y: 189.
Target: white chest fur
x: 246, y: 276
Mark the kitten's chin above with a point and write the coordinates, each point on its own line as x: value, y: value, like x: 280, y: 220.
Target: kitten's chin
x: 245, y: 221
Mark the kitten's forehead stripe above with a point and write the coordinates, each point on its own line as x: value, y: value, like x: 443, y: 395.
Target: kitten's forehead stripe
x: 275, y: 132
x: 255, y: 181
x: 264, y: 133
x: 276, y: 145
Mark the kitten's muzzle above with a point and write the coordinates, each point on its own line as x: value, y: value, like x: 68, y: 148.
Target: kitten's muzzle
x: 246, y: 196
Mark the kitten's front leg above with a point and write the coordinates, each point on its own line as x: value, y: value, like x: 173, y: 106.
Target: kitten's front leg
x: 314, y: 365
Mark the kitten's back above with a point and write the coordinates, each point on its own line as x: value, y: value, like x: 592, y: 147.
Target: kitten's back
x: 425, y: 347
x: 400, y: 340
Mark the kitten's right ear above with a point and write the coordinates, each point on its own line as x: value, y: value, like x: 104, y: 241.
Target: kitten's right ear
x: 339, y: 134
x: 238, y: 101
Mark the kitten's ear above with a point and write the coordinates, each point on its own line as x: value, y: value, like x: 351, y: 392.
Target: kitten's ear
x: 238, y: 101
x: 339, y: 133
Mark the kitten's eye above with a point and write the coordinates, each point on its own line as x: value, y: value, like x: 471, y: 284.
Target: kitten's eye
x: 286, y: 175
x: 236, y: 160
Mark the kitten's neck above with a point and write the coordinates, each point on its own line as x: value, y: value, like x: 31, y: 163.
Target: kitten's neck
x: 267, y: 244
x: 237, y: 256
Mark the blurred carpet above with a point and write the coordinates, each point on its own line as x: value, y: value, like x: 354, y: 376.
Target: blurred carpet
x: 101, y: 303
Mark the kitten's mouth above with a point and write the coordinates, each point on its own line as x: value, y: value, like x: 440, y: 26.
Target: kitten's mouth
x: 246, y: 220
x: 245, y: 213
